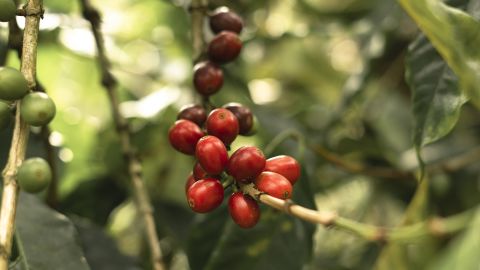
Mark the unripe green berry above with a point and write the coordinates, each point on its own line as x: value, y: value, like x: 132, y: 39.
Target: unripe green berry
x: 37, y: 109
x: 13, y: 85
x: 7, y: 10
x: 5, y: 115
x: 34, y: 175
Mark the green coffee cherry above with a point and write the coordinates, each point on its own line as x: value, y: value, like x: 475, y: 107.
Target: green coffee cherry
x: 13, y: 85
x: 5, y: 115
x: 34, y: 175
x: 7, y: 10
x: 37, y: 109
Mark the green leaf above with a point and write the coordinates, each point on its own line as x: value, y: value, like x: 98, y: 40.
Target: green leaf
x: 437, y: 99
x: 455, y: 35
x: 46, y: 239
x: 462, y: 253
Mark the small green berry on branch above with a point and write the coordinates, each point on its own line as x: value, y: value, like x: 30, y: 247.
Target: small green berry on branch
x: 7, y: 10
x: 34, y: 175
x: 37, y: 109
x: 13, y: 84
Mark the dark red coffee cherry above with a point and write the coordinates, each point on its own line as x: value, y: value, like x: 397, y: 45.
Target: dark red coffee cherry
x: 246, y: 163
x: 284, y: 165
x: 244, y: 210
x: 193, y: 112
x: 274, y: 184
x: 205, y: 195
x: 199, y: 172
x: 184, y: 135
x: 212, y: 155
x: 223, y: 19
x: 189, y: 183
x: 207, y: 78
x: 224, y: 47
x: 244, y: 116
x: 222, y: 124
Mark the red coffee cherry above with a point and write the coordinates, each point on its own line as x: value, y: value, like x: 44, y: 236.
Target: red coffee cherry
x: 199, y: 172
x: 274, y: 185
x: 193, y: 112
x: 184, y: 135
x: 222, y: 124
x: 284, y: 165
x: 244, y: 116
x: 244, y: 210
x: 223, y: 19
x: 246, y: 163
x: 205, y: 195
x: 189, y: 183
x: 224, y: 47
x: 207, y: 78
x: 212, y: 155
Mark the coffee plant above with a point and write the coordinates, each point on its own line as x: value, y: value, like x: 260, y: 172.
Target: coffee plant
x: 208, y: 134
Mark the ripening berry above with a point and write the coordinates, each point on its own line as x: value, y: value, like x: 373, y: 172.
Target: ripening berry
x: 224, y: 19
x: 34, y: 175
x: 207, y: 78
x: 7, y: 10
x: 244, y: 117
x: 222, y: 124
x: 284, y: 165
x: 212, y: 155
x: 37, y: 109
x: 274, y: 185
x: 193, y: 112
x: 246, y: 163
x: 184, y: 135
x: 244, y: 210
x: 224, y: 47
x: 13, y: 85
x: 205, y: 195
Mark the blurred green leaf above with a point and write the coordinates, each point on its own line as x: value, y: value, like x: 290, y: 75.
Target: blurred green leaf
x: 46, y: 240
x: 455, y: 35
x: 462, y: 252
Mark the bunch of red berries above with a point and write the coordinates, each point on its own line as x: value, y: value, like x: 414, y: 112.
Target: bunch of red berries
x: 209, y: 137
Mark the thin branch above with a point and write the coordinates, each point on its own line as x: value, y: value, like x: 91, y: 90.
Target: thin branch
x: 134, y: 166
x: 198, y: 10
x: 20, y: 135
x: 436, y: 226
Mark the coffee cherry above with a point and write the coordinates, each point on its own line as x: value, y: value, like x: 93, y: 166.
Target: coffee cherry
x: 207, y: 78
x: 284, y: 165
x: 13, y: 85
x: 212, y: 155
x: 222, y: 124
x: 223, y: 19
x: 244, y: 210
x: 34, y: 175
x: 224, y: 47
x: 244, y: 116
x: 7, y: 10
x: 189, y: 183
x: 205, y: 195
x: 184, y: 135
x: 193, y: 112
x: 37, y: 109
x: 199, y: 172
x: 5, y: 115
x: 246, y: 163
x: 274, y: 184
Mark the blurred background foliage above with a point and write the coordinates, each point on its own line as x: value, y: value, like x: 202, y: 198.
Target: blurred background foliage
x: 332, y: 70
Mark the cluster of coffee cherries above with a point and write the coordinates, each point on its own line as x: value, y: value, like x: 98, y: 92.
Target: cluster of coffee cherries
x: 36, y: 109
x: 223, y: 48
x: 205, y: 192
x: 208, y: 137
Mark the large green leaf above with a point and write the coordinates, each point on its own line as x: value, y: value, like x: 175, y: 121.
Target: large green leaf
x: 437, y: 99
x: 46, y: 240
x: 455, y: 35
x: 462, y: 253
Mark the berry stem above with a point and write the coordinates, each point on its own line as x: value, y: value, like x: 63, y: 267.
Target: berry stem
x: 134, y: 166
x: 436, y: 226
x: 282, y: 137
x: 20, y: 136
